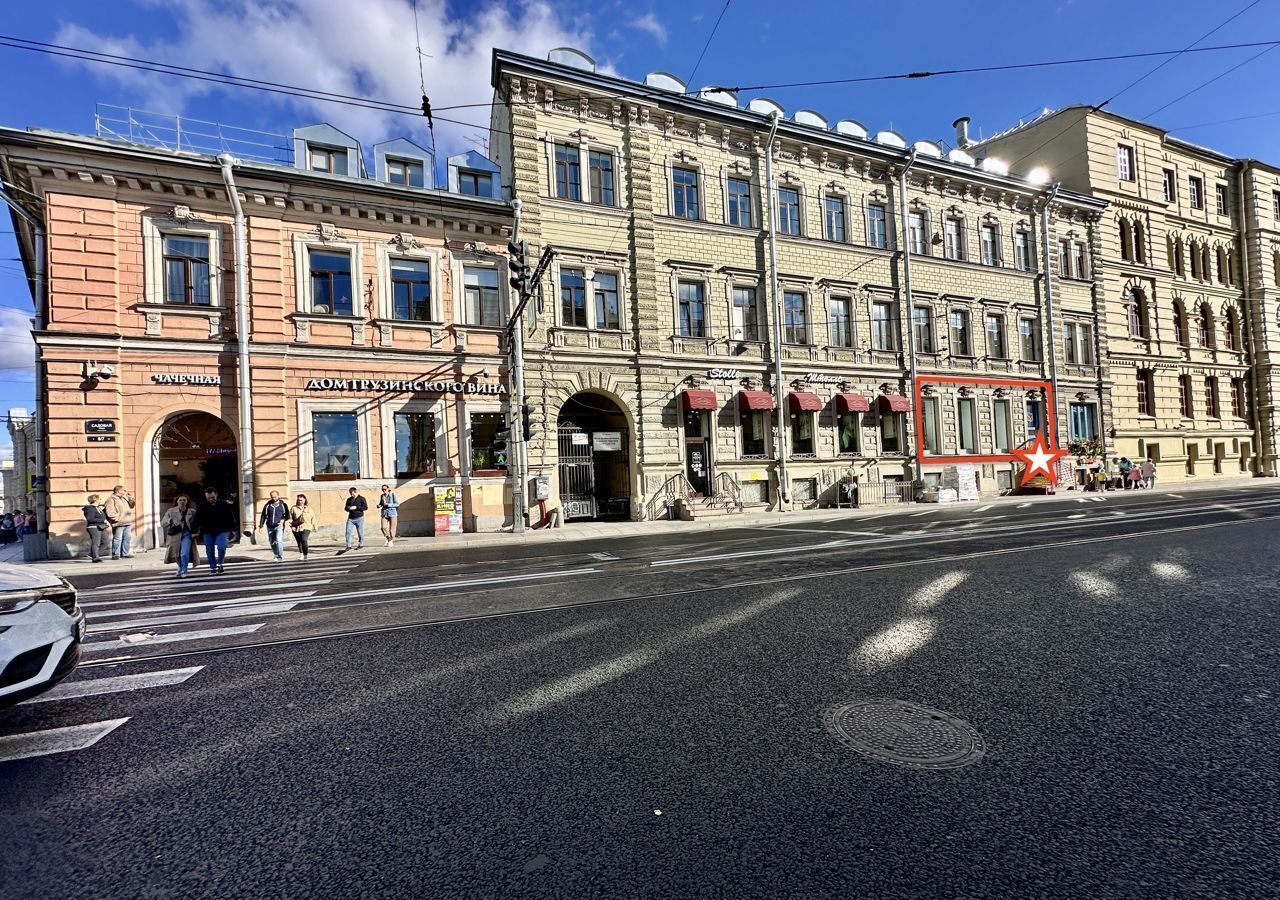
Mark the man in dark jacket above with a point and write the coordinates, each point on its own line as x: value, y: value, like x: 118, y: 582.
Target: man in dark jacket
x: 95, y: 522
x: 274, y: 513
x: 356, y: 507
x: 216, y: 521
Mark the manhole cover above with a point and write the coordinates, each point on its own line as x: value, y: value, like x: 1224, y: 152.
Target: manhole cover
x: 905, y: 734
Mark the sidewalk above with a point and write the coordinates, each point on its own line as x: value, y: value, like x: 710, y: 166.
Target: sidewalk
x: 597, y: 531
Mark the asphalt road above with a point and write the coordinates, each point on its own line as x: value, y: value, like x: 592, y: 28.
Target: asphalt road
x: 655, y: 724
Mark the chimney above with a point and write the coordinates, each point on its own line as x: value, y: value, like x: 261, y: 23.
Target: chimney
x: 961, y: 125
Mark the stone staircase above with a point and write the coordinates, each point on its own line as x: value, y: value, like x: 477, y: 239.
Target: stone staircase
x: 694, y: 508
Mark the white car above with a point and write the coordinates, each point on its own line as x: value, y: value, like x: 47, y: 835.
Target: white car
x: 41, y: 628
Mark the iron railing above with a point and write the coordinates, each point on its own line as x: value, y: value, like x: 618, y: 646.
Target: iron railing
x: 140, y: 126
x: 674, y: 488
x: 885, y: 493
x: 727, y: 485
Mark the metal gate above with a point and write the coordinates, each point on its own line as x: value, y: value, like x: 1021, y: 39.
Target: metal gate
x: 595, y: 472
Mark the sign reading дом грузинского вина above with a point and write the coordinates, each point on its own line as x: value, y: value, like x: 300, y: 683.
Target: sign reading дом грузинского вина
x: 420, y: 386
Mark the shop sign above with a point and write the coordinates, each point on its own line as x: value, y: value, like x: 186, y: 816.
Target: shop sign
x: 819, y: 378
x: 605, y: 441
x: 723, y: 374
x: 99, y: 426
x: 417, y: 387
x: 580, y: 437
x: 182, y: 378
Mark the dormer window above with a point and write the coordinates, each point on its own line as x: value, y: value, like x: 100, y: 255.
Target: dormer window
x: 475, y: 184
x: 405, y: 172
x: 327, y: 159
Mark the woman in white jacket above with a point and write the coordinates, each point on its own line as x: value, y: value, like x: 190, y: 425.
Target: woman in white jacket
x: 180, y: 546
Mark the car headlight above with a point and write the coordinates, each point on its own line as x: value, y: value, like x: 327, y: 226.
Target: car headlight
x: 17, y: 601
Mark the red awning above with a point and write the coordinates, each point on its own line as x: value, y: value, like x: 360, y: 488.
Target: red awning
x: 802, y: 401
x: 755, y: 400
x: 854, y: 403
x: 701, y: 400
x: 894, y: 403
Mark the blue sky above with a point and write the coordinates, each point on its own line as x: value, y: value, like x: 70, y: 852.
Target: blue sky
x: 367, y: 48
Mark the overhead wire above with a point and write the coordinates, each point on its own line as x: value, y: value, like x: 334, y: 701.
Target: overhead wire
x: 1204, y: 84
x: 707, y: 43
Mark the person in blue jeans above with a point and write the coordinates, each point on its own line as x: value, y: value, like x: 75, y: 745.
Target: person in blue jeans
x: 389, y: 506
x: 275, y: 512
x: 180, y: 546
x: 356, y: 507
x: 215, y: 521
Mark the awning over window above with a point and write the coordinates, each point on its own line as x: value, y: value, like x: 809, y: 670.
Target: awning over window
x: 854, y: 403
x: 803, y: 401
x: 894, y: 403
x: 755, y: 400
x: 701, y: 400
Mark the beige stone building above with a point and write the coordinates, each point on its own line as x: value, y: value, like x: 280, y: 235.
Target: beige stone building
x: 1187, y: 275
x: 374, y: 305
x: 652, y: 355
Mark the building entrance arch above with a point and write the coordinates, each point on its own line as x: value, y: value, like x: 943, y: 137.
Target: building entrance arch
x: 193, y: 451
x: 594, y: 464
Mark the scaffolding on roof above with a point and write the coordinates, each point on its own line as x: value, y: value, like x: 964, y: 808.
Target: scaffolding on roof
x: 184, y: 134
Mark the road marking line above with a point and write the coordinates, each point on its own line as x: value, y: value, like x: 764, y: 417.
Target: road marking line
x: 56, y: 740
x: 744, y: 554
x: 178, y: 593
x: 225, y: 612
x: 1179, y: 496
x: 983, y: 508
x: 792, y: 528
x: 94, y: 613
x: 1078, y: 516
x: 925, y: 513
x: 261, y: 570
x: 172, y: 638
x: 603, y: 557
x: 1023, y: 505
x: 92, y: 687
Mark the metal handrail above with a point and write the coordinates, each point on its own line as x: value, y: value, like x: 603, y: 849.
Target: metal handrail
x: 669, y: 491
x: 182, y: 133
x: 727, y: 485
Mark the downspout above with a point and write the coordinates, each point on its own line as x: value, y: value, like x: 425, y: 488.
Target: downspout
x: 1250, y: 345
x: 1050, y: 326
x: 909, y: 302
x: 516, y: 375
x: 247, y: 506
x: 39, y: 297
x: 784, y: 481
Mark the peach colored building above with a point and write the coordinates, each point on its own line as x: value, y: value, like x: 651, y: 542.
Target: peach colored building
x: 375, y: 307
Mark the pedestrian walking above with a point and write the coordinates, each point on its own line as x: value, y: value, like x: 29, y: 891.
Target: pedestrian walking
x: 389, y: 507
x: 356, y: 507
x: 179, y: 525
x: 8, y: 529
x: 95, y: 522
x: 215, y: 522
x: 303, y: 521
x: 1135, y: 477
x: 119, y: 510
x: 1149, y: 472
x: 275, y: 512
x: 19, y: 525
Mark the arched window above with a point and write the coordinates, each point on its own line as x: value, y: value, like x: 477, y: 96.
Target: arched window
x: 1179, y: 264
x: 1222, y: 265
x: 1171, y: 251
x: 1275, y: 266
x: 1139, y: 243
x: 1231, y: 266
x: 1195, y: 260
x: 1136, y: 313
x: 1204, y: 261
x: 1206, y: 325
x: 1126, y: 240
x: 1230, y: 331
x: 1179, y: 323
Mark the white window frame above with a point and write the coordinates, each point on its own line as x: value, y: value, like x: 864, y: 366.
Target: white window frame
x: 828, y: 297
x: 671, y: 165
x: 996, y: 402
x: 844, y: 216
x: 1025, y: 262
x: 154, y: 231
x: 1126, y: 162
x: 807, y: 294
x: 734, y: 284
x: 801, y: 211
x: 924, y: 248
x: 997, y: 258
x: 1169, y: 185
x: 866, y: 217
x: 894, y: 337
x: 961, y: 251
x: 677, y: 276
x: 970, y: 403
x: 388, y: 409
x: 1195, y: 191
x: 406, y: 162
x: 386, y: 255
x: 465, y: 406
x: 306, y: 441
x: 928, y: 309
x: 459, y: 262
x: 303, y: 245
x: 987, y: 316
x: 753, y: 197
x: 967, y: 316
x: 584, y: 166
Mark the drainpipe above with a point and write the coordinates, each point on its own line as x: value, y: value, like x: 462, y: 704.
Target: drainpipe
x: 247, y: 507
x: 909, y: 303
x: 39, y: 297
x: 1050, y: 196
x: 784, y: 481
x: 1268, y: 435
x: 516, y: 375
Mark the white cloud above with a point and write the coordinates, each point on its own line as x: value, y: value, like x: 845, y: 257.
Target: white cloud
x: 17, y: 351
x: 649, y: 24
x: 367, y: 50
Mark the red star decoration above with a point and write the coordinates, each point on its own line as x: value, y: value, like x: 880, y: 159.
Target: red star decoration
x: 1040, y: 459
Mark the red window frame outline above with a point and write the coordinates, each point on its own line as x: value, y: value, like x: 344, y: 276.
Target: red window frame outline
x: 927, y: 458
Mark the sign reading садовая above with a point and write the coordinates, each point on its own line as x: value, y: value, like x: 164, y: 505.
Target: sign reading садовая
x: 417, y: 387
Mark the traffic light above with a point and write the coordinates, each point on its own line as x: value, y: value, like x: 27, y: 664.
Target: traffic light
x: 519, y: 267
x: 498, y: 448
x: 526, y: 420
